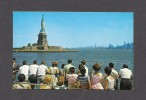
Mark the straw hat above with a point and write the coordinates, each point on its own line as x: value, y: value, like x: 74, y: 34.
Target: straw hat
x: 47, y: 79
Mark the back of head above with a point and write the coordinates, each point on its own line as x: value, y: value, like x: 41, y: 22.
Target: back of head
x: 24, y: 62
x: 32, y: 79
x: 81, y: 66
x: 62, y: 66
x: 54, y: 64
x: 21, y: 78
x: 83, y: 62
x: 43, y: 62
x: 111, y: 65
x: 14, y: 59
x: 35, y: 62
x: 96, y: 67
x: 125, y: 66
x: 72, y: 70
x: 47, y: 79
x: 69, y: 61
x: 82, y: 70
x: 108, y: 70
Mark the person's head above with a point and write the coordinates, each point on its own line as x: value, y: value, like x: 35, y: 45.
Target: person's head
x: 83, y: 62
x: 69, y: 61
x: 81, y: 66
x: 35, y: 62
x: 82, y: 70
x: 72, y: 70
x: 47, y: 79
x: 24, y: 62
x: 96, y: 67
x: 54, y: 64
x: 111, y: 65
x: 43, y: 62
x: 32, y: 79
x: 125, y: 66
x: 108, y: 70
x: 14, y: 59
x: 62, y: 66
x: 21, y: 78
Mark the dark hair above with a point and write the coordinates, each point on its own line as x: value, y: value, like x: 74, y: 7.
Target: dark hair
x: 14, y: 58
x: 62, y: 66
x: 83, y: 62
x: 35, y: 62
x: 43, y: 62
x: 54, y: 64
x: 69, y: 61
x: 72, y: 69
x: 21, y: 78
x: 24, y: 62
x: 32, y: 79
x: 83, y: 71
x: 125, y: 66
x: 81, y: 66
x: 111, y: 65
x: 108, y: 70
x: 96, y: 67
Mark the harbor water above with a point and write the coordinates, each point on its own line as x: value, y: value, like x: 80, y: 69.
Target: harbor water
x: 92, y: 56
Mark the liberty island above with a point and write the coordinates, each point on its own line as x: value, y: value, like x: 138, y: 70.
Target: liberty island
x: 42, y: 44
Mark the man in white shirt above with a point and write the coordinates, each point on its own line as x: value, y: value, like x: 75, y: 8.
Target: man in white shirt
x: 41, y: 72
x: 115, y: 75
x: 126, y: 75
x: 24, y: 70
x: 67, y: 67
x: 33, y: 68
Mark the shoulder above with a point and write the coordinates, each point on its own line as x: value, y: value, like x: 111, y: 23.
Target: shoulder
x: 67, y: 75
x: 70, y: 65
x: 26, y: 66
x: 85, y: 67
x: 114, y: 71
x: 31, y: 65
x: 121, y: 70
x: 100, y: 74
x: 56, y: 68
x: 75, y: 75
x: 110, y: 78
x: 44, y: 66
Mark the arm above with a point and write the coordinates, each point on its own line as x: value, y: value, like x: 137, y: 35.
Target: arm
x: 89, y: 84
x: 119, y: 74
x: 131, y: 76
x: 57, y: 71
x: 64, y: 71
x: 101, y: 79
x: 49, y: 71
x: 78, y: 83
x: 106, y: 84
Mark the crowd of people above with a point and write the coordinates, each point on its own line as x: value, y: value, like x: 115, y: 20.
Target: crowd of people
x: 36, y: 76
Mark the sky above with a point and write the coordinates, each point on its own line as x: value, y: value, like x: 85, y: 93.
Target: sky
x: 74, y: 29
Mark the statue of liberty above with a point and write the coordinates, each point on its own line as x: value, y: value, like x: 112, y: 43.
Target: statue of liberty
x: 42, y: 25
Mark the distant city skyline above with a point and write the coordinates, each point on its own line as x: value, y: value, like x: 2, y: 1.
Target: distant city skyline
x: 74, y: 29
